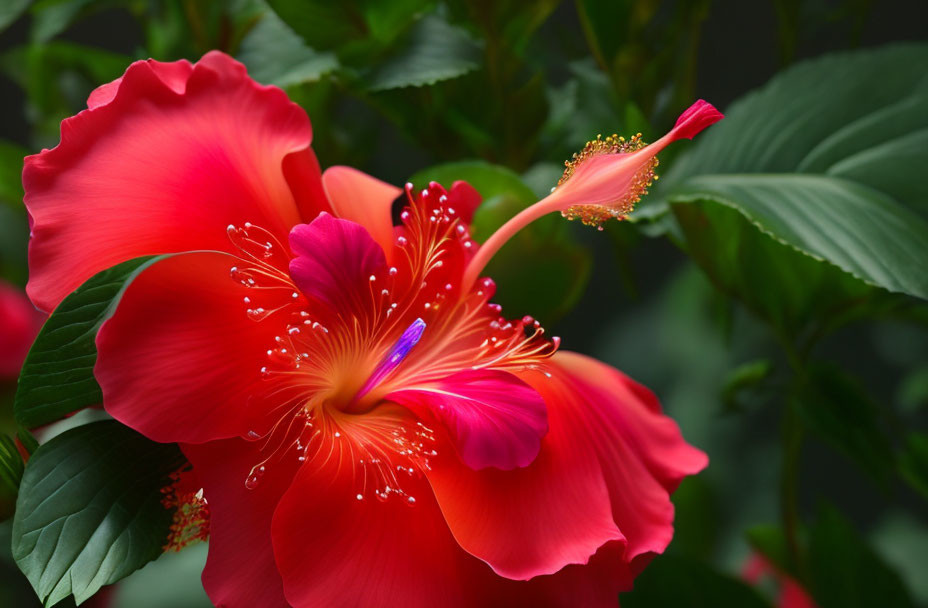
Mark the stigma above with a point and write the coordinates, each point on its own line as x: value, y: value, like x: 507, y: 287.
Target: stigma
x: 393, y: 358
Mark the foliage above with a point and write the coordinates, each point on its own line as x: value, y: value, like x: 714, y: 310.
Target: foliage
x: 771, y: 288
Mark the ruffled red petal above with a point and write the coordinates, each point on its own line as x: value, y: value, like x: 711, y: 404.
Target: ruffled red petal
x: 335, y: 550
x: 604, y: 473
x: 164, y: 160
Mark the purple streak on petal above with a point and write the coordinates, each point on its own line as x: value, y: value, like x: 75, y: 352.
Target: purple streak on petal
x: 410, y: 338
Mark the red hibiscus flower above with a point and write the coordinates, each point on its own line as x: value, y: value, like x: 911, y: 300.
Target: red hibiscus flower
x: 368, y: 429
x: 19, y: 324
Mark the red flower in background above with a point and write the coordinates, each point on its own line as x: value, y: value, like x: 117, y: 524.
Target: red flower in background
x: 789, y: 593
x: 19, y: 325
x: 368, y: 429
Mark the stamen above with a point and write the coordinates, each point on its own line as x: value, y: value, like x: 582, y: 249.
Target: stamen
x: 613, y: 144
x: 190, y: 521
x: 596, y: 213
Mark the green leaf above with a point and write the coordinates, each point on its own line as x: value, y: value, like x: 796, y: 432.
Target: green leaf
x: 14, y: 237
x: 336, y: 25
x: 57, y: 376
x: 788, y: 289
x: 433, y: 51
x: 673, y: 582
x: 275, y: 55
x: 10, y: 11
x: 744, y: 377
x: 11, y: 474
x: 845, y: 572
x: 541, y: 271
x: 89, y: 510
x: 51, y: 17
x: 28, y: 440
x: 913, y: 462
x: 840, y: 116
x: 696, y: 517
x: 820, y: 163
x: 507, y: 24
x: 583, y: 107
x: 837, y: 408
x: 11, y: 170
x: 860, y: 230
x: 913, y: 390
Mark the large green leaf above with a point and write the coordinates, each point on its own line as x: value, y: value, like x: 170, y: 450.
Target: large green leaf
x: 346, y: 26
x: 822, y: 164
x: 785, y: 287
x: 541, y: 271
x: 275, y: 55
x: 838, y: 115
x: 433, y: 51
x: 673, y: 582
x: 57, y: 376
x: 845, y: 572
x: 860, y: 230
x: 11, y: 474
x: 89, y: 509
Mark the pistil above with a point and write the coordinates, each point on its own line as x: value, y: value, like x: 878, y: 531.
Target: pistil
x: 604, y: 180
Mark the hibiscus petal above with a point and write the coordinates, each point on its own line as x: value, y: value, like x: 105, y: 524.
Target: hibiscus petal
x: 334, y: 260
x: 240, y: 524
x: 335, y: 550
x: 166, y: 158
x: 466, y: 200
x: 174, y: 74
x: 493, y: 418
x: 180, y: 360
x: 604, y: 472
x: 362, y: 199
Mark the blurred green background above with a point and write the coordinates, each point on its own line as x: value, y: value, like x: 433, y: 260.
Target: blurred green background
x: 770, y: 290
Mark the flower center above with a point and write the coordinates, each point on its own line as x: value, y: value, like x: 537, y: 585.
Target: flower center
x: 390, y: 362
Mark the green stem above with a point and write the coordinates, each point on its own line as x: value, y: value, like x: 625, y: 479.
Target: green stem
x: 792, y: 437
x: 789, y: 483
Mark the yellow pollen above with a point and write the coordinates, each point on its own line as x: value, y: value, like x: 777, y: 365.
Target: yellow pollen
x: 596, y: 214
